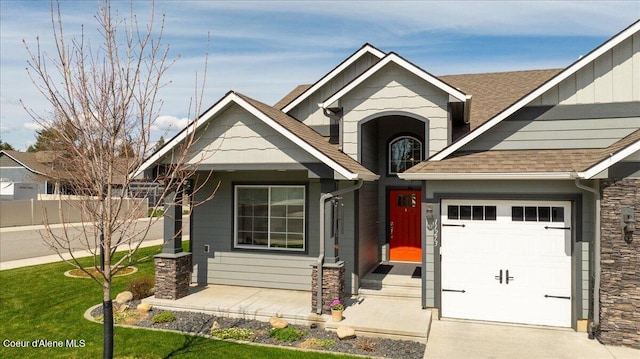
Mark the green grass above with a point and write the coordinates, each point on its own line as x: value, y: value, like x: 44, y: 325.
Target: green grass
x: 39, y: 302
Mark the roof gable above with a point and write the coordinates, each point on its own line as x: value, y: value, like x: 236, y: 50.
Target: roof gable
x: 365, y: 49
x: 531, y: 96
x: 398, y: 60
x: 34, y: 162
x: 303, y: 136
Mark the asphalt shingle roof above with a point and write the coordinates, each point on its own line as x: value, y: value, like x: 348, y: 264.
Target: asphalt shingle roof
x: 524, y: 161
x: 310, y: 136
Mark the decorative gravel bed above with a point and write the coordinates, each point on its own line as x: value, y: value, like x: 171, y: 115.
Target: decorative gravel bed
x: 315, y: 338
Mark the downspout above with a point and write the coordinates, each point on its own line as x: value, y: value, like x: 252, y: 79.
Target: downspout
x: 323, y: 199
x: 595, y: 324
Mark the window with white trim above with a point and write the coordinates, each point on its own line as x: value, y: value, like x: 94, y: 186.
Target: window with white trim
x: 404, y: 153
x: 270, y: 217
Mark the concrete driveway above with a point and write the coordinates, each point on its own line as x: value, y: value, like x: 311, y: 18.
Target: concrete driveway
x: 453, y: 339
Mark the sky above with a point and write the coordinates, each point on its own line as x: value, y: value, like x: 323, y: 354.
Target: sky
x: 264, y: 49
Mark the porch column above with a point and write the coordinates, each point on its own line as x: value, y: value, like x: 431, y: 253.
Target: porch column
x: 172, y: 266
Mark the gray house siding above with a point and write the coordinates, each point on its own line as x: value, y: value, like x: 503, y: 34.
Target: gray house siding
x: 223, y: 264
x: 262, y: 268
x: 395, y: 91
x: 562, y: 127
x: 583, y: 218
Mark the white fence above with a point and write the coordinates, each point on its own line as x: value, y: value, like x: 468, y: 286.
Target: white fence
x: 67, y: 210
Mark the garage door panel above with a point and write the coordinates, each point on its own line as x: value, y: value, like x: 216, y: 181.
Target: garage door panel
x: 538, y: 259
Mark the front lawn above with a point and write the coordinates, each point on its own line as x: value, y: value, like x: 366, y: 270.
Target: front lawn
x: 40, y: 306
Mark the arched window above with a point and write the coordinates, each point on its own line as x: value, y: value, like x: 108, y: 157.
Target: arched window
x: 404, y: 153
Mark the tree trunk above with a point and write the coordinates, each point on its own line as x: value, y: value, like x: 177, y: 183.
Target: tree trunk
x: 107, y: 309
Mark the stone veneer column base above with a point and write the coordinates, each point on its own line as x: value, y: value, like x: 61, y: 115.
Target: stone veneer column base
x: 173, y: 275
x: 620, y: 261
x: 332, y: 285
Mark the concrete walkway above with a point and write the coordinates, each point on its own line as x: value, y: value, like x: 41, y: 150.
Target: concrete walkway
x: 453, y: 339
x: 392, y: 318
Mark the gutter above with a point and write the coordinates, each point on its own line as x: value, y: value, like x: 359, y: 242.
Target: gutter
x: 595, y: 324
x: 323, y: 199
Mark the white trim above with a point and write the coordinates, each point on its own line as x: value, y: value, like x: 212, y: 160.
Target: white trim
x: 488, y: 176
x: 232, y: 97
x: 610, y: 161
x: 572, y: 69
x: 333, y: 73
x: 393, y: 57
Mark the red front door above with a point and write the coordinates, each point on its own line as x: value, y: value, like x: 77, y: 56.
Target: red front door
x: 404, y: 225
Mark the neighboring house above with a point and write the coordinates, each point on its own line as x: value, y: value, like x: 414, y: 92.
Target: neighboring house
x: 28, y: 167
x: 516, y: 191
x: 46, y: 170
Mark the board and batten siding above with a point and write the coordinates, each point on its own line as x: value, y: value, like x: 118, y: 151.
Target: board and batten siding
x: 235, y: 136
x: 213, y: 227
x: 394, y: 90
x: 308, y: 111
x: 612, y: 77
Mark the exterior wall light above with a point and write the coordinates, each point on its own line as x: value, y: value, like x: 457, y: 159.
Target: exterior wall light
x: 628, y: 224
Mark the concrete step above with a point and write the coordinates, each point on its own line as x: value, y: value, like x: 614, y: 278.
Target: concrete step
x: 392, y: 318
x: 391, y: 292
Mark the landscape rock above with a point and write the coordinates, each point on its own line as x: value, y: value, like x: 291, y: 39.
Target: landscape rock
x: 215, y: 326
x: 124, y: 297
x: 144, y: 307
x: 278, y: 323
x: 345, y: 332
x: 122, y: 308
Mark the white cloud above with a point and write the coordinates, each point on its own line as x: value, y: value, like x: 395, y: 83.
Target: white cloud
x: 33, y: 126
x: 169, y: 123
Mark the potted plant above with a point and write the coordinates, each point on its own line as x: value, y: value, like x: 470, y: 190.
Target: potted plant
x: 336, y: 310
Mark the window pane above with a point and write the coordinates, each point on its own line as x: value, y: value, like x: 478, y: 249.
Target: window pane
x: 404, y: 152
x: 490, y: 213
x: 478, y: 213
x: 261, y: 224
x: 270, y: 216
x: 517, y: 213
x: 295, y: 211
x: 260, y: 238
x: 278, y: 225
x: 452, y: 212
x: 278, y: 240
x: 531, y: 214
x: 544, y: 214
x: 465, y: 212
x: 295, y: 225
x: 557, y: 214
x: 295, y: 241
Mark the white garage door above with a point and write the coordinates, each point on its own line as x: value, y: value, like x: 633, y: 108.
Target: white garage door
x: 507, y: 261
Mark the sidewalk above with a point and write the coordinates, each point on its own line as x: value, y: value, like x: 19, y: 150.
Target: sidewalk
x: 457, y: 339
x: 56, y: 258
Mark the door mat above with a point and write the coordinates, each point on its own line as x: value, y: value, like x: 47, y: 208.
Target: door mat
x: 383, y: 269
x: 417, y: 273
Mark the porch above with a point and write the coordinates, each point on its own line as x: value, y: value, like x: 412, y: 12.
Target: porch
x: 388, y: 316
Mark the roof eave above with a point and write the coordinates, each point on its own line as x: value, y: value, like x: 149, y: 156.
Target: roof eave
x: 487, y: 176
x: 367, y: 48
x: 393, y: 57
x: 568, y: 71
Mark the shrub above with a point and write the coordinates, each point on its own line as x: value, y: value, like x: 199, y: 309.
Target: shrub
x: 164, y: 317
x: 233, y: 333
x: 317, y: 343
x: 141, y: 287
x: 288, y: 334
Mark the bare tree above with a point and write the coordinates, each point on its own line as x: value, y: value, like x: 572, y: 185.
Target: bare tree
x: 104, y: 101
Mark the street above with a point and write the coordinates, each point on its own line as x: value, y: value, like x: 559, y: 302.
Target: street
x: 26, y: 242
